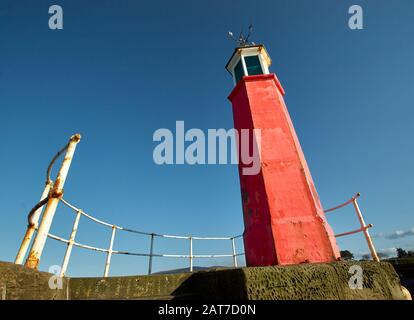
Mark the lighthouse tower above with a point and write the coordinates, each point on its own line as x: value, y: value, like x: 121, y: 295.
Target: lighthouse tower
x: 283, y: 217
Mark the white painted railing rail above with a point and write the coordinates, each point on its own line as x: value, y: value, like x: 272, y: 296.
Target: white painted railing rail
x: 191, y: 256
x: 53, y: 194
x: 109, y: 251
x: 364, y: 227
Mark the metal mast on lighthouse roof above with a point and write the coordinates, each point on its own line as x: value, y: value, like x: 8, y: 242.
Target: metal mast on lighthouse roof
x: 248, y: 58
x: 243, y: 41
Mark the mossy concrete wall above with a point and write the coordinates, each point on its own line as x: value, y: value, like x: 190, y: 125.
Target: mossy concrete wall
x: 307, y: 281
x: 20, y: 283
x: 323, y: 281
x: 130, y: 287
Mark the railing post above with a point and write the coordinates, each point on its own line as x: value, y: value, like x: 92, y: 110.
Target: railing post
x: 233, y: 244
x: 191, y: 254
x: 70, y: 245
x: 109, y: 255
x: 55, y: 195
x: 365, y: 231
x: 151, y: 253
x: 31, y: 227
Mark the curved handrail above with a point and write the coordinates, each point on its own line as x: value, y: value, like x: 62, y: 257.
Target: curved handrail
x: 109, y: 251
x: 357, y: 195
x: 52, y: 162
x: 71, y: 242
x: 75, y: 209
x: 85, y: 246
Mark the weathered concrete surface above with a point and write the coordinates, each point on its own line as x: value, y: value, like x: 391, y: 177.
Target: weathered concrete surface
x: 405, y: 269
x: 323, y: 281
x: 21, y: 283
x: 306, y: 281
x: 131, y: 287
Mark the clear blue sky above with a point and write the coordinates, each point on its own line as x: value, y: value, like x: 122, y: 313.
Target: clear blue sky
x: 122, y: 69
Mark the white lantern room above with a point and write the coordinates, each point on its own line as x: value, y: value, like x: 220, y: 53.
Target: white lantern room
x: 248, y: 61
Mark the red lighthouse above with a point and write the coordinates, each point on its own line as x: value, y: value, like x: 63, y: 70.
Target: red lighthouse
x: 283, y: 217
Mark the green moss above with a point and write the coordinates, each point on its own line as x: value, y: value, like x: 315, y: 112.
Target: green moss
x: 306, y: 281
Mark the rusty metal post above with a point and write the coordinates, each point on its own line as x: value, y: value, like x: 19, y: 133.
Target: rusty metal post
x: 233, y: 244
x: 31, y: 227
x: 151, y: 253
x: 57, y: 191
x: 191, y: 254
x: 70, y: 245
x: 109, y: 255
x: 365, y: 231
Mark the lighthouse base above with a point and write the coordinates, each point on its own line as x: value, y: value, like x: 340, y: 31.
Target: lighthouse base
x: 327, y: 281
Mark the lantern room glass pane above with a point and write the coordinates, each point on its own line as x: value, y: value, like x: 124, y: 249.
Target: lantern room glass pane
x: 238, y: 71
x: 253, y: 65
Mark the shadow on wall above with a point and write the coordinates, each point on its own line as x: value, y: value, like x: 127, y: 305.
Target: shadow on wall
x: 328, y: 281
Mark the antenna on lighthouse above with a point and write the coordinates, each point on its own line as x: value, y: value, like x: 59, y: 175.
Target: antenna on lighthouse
x: 250, y: 33
x: 242, y: 41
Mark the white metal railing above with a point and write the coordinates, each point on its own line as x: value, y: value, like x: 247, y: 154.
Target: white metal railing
x: 364, y: 227
x: 53, y: 194
x: 191, y: 256
x: 110, y: 251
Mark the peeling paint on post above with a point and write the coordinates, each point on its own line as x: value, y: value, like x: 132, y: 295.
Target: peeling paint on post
x: 57, y: 191
x: 31, y: 227
x: 109, y: 254
x: 70, y: 245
